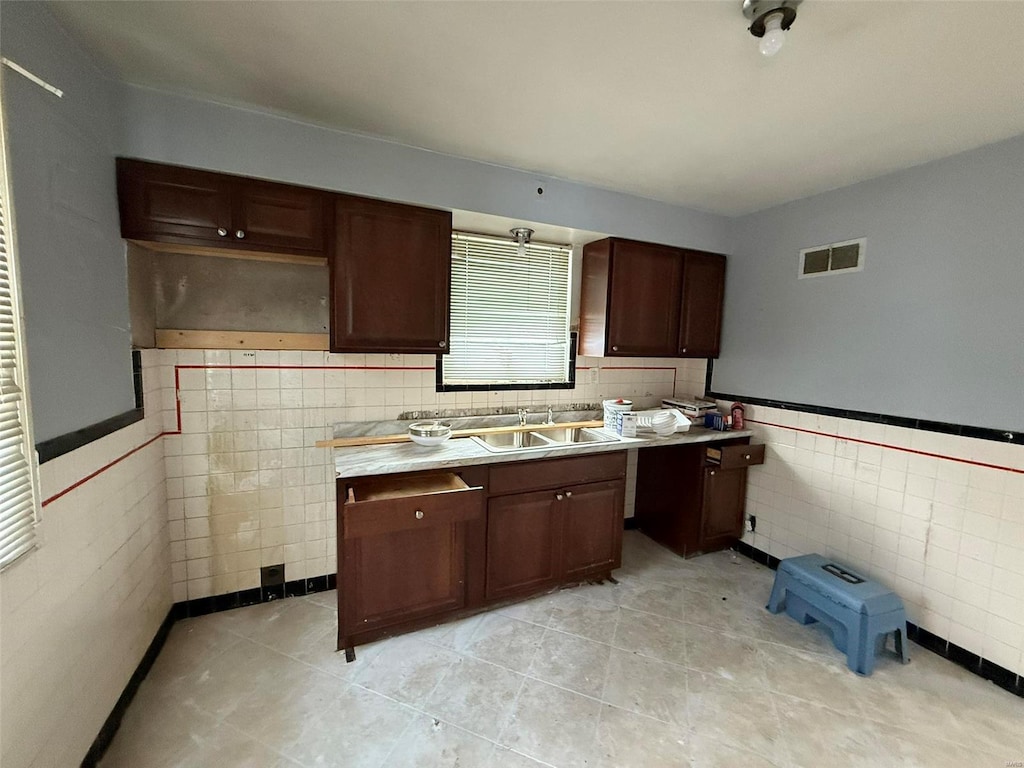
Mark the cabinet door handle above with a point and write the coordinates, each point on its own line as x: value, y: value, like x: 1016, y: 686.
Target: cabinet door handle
x: 222, y: 232
x: 746, y: 456
x: 240, y: 234
x: 559, y: 497
x: 568, y: 494
x: 615, y: 349
x: 712, y: 473
x: 442, y: 344
x: 419, y: 514
x: 684, y: 349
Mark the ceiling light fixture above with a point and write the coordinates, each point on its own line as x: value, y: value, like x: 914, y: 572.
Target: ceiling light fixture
x: 769, y: 21
x: 522, y: 236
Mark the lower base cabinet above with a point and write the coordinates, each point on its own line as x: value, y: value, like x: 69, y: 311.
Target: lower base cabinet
x: 692, y: 497
x: 416, y: 549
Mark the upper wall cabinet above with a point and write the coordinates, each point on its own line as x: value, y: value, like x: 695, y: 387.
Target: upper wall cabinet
x: 169, y: 204
x: 390, y: 277
x: 646, y: 300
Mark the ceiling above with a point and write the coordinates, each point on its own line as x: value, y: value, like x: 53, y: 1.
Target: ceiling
x: 667, y: 100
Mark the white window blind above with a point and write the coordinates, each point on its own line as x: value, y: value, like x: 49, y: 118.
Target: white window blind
x: 17, y: 493
x: 509, y: 312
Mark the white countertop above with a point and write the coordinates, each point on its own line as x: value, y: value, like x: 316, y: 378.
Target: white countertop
x: 363, y: 461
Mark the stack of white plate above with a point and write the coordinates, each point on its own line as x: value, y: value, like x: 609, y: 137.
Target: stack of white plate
x: 662, y: 422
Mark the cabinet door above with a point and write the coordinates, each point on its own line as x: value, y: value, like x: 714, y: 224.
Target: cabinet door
x: 724, y: 500
x: 524, y: 544
x: 169, y: 204
x: 401, y: 576
x: 700, y: 326
x: 390, y: 278
x: 645, y: 286
x: 278, y: 217
x: 592, y: 516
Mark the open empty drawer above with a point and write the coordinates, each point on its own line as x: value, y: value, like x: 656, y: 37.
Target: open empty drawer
x: 386, y: 504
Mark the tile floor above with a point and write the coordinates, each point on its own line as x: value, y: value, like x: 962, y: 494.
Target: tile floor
x: 679, y: 664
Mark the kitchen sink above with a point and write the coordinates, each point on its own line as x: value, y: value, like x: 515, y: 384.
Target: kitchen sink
x: 501, y: 442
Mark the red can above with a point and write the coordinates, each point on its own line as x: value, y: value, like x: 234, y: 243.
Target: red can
x: 737, y: 415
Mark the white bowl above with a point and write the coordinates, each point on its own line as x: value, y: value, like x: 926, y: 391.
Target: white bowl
x: 429, y: 432
x: 429, y: 439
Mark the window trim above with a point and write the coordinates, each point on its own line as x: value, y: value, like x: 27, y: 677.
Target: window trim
x: 569, y: 383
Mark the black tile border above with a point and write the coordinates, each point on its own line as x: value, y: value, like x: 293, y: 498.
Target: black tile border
x: 58, y: 446
x: 630, y: 524
x: 137, y: 377
x: 960, y: 430
x: 113, y: 721
x: 972, y: 662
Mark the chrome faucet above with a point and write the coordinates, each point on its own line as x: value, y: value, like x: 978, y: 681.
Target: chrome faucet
x: 522, y: 417
x: 551, y: 416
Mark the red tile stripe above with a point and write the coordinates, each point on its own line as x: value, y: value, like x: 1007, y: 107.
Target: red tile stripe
x: 890, y: 447
x: 103, y: 469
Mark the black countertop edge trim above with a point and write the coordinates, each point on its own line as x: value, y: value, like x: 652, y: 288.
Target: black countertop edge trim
x: 1006, y: 679
x: 961, y: 430
x: 113, y: 721
x: 58, y: 446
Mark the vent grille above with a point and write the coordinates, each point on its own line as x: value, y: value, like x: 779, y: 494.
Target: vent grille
x: 847, y: 256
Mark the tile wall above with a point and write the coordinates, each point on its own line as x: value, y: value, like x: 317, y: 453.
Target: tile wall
x: 78, y: 613
x: 938, y: 518
x: 245, y: 486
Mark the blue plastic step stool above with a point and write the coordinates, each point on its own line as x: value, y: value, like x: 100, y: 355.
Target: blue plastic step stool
x: 860, y: 613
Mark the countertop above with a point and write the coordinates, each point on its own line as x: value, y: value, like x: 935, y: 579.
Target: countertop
x: 363, y: 461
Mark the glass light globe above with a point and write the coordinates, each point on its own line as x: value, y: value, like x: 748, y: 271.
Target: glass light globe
x: 774, y: 35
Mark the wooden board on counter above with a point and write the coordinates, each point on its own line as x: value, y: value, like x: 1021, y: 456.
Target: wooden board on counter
x: 348, y: 442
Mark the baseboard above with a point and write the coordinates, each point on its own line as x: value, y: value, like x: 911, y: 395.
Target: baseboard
x: 630, y: 524
x: 1006, y: 679
x: 113, y: 721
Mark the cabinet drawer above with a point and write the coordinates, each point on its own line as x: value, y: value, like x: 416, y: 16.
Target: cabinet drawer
x: 556, y: 473
x: 385, y: 505
x: 736, y: 456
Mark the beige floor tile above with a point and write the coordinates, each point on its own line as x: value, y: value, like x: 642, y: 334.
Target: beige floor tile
x: 571, y: 662
x: 651, y: 635
x: 475, y: 695
x: 740, y: 716
x: 586, y: 616
x: 552, y: 725
x: 709, y: 753
x: 628, y: 740
x: 429, y: 743
x: 406, y: 669
x: 735, y: 658
x: 690, y: 677
x: 504, y: 641
x: 647, y: 686
x: 358, y: 729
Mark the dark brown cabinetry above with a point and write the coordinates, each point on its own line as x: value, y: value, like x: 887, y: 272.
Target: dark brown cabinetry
x: 642, y: 299
x: 169, y: 204
x: 402, y: 551
x: 390, y: 277
x: 692, y: 503
x: 417, y: 549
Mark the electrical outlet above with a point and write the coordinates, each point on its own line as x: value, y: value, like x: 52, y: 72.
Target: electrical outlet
x: 752, y: 523
x: 594, y: 375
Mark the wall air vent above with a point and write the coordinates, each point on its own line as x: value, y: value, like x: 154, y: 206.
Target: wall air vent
x: 847, y: 256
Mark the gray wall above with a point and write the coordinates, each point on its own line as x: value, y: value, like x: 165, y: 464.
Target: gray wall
x: 65, y: 206
x: 933, y: 327
x: 186, y: 131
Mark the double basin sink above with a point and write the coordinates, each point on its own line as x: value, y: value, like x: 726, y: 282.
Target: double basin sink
x: 502, y: 442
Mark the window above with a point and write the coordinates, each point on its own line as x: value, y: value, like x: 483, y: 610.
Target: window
x: 509, y: 316
x: 17, y: 491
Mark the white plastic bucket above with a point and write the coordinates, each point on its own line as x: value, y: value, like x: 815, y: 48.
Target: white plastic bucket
x: 612, y: 409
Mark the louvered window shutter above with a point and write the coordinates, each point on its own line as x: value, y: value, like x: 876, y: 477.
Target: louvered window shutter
x: 509, y: 312
x: 17, y: 492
